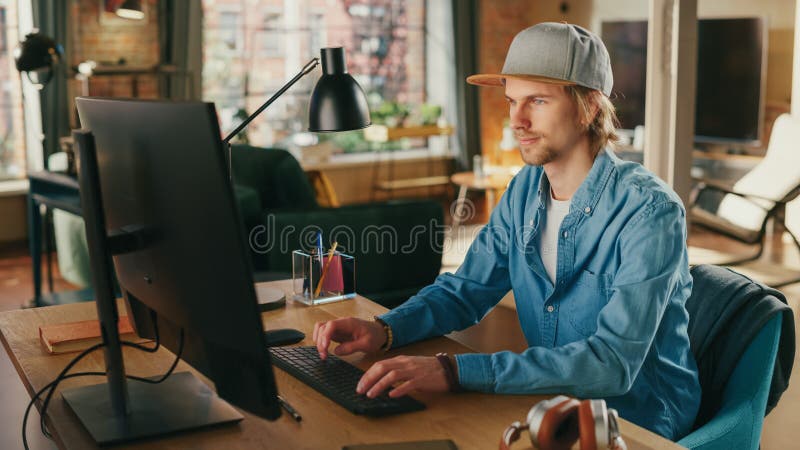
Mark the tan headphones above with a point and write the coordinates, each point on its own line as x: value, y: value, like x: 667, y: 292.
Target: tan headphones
x: 558, y: 423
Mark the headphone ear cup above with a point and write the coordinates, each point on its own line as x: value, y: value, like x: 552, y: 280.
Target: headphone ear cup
x: 559, y: 427
x: 586, y: 426
x: 594, y: 425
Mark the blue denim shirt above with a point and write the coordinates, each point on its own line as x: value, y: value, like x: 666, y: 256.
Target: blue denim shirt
x: 613, y: 326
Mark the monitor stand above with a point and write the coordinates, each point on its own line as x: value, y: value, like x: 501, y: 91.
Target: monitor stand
x: 179, y: 403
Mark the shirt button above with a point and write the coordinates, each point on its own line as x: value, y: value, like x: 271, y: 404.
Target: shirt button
x: 565, y: 234
x: 531, y: 222
x: 550, y: 308
x: 587, y: 210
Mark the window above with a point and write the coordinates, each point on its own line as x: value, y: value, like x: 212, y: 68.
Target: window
x: 12, y: 142
x: 385, y: 51
x: 229, y: 29
x: 271, y: 35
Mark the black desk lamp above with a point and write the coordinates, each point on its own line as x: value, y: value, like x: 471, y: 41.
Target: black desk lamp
x: 37, y: 57
x: 337, y: 104
x: 131, y: 9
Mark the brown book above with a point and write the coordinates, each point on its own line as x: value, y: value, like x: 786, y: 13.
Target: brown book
x: 77, y: 336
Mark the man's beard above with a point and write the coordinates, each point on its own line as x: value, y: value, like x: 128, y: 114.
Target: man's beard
x: 538, y: 154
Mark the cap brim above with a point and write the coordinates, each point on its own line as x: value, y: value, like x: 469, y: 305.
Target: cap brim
x: 496, y: 79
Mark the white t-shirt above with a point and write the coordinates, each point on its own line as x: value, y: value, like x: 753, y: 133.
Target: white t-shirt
x: 548, y: 239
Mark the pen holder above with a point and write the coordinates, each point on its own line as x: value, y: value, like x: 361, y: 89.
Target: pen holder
x: 316, y: 280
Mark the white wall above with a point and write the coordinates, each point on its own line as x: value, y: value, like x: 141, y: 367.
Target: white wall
x: 793, y: 208
x: 779, y: 13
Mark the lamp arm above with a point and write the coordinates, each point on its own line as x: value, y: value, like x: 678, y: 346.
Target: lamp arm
x: 303, y: 72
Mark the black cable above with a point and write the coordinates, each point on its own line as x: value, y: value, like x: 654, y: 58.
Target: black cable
x: 59, y: 378
x: 63, y: 375
x: 169, y: 371
x: 38, y: 394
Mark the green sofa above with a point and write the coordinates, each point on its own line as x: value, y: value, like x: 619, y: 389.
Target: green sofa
x: 397, y: 244
x: 400, y: 251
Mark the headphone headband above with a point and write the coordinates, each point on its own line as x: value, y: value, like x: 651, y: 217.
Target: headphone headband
x: 557, y: 422
x: 600, y: 416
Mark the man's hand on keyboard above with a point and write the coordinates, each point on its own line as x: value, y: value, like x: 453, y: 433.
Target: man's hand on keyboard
x: 420, y: 373
x: 354, y: 335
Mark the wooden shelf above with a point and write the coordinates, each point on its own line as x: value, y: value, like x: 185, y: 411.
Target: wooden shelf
x: 412, y: 183
x: 719, y: 156
x: 382, y: 133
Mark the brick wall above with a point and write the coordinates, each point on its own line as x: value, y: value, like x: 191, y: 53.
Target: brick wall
x: 106, y: 38
x: 500, y: 21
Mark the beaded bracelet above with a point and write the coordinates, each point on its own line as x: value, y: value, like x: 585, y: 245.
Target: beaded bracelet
x: 389, y: 337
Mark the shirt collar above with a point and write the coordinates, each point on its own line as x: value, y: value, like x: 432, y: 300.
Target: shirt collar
x: 588, y: 193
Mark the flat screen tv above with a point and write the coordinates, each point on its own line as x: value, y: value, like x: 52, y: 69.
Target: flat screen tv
x: 731, y: 76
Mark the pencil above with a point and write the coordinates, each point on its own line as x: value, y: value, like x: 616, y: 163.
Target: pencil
x: 325, y: 269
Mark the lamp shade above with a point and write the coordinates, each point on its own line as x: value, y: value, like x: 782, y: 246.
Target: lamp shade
x: 337, y: 103
x: 131, y: 9
x: 37, y: 52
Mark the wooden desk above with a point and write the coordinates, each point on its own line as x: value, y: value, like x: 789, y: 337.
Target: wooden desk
x: 473, y: 421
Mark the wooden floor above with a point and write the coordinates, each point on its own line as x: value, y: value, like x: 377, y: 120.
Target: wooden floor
x: 781, y: 428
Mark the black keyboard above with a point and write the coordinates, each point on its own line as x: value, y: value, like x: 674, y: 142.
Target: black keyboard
x: 337, y: 380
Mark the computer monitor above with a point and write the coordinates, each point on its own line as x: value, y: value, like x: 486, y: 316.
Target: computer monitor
x: 731, y: 76
x: 164, y: 210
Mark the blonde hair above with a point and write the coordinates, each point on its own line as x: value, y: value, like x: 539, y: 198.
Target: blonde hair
x: 602, y: 128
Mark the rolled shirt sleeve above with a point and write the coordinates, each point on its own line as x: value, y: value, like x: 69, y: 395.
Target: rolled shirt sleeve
x: 457, y: 301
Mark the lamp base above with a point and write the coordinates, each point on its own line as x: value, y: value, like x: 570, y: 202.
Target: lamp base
x: 270, y: 298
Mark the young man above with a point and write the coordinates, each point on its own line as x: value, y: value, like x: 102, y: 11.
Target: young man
x: 593, y: 247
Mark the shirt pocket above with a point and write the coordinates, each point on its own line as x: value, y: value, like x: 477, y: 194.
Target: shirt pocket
x: 590, y: 294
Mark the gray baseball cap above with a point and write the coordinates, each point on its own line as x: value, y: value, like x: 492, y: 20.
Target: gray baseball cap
x: 557, y: 53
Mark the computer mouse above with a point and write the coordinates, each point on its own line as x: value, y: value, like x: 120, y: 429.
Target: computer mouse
x: 283, y: 336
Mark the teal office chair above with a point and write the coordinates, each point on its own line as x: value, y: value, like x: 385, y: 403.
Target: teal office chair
x: 738, y: 423
x: 730, y: 317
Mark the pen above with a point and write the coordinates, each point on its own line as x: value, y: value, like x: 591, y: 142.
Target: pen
x: 319, y: 249
x: 293, y: 412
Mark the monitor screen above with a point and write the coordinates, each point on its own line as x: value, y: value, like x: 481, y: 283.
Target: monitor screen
x: 730, y: 76
x: 627, y: 48
x: 163, y: 177
x: 729, y: 79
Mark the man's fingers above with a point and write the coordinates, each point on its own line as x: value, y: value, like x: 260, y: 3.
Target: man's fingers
x: 348, y: 331
x: 346, y: 348
x: 350, y: 346
x: 375, y: 373
x: 403, y: 389
x: 316, y: 328
x: 322, y: 341
x: 392, y: 376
